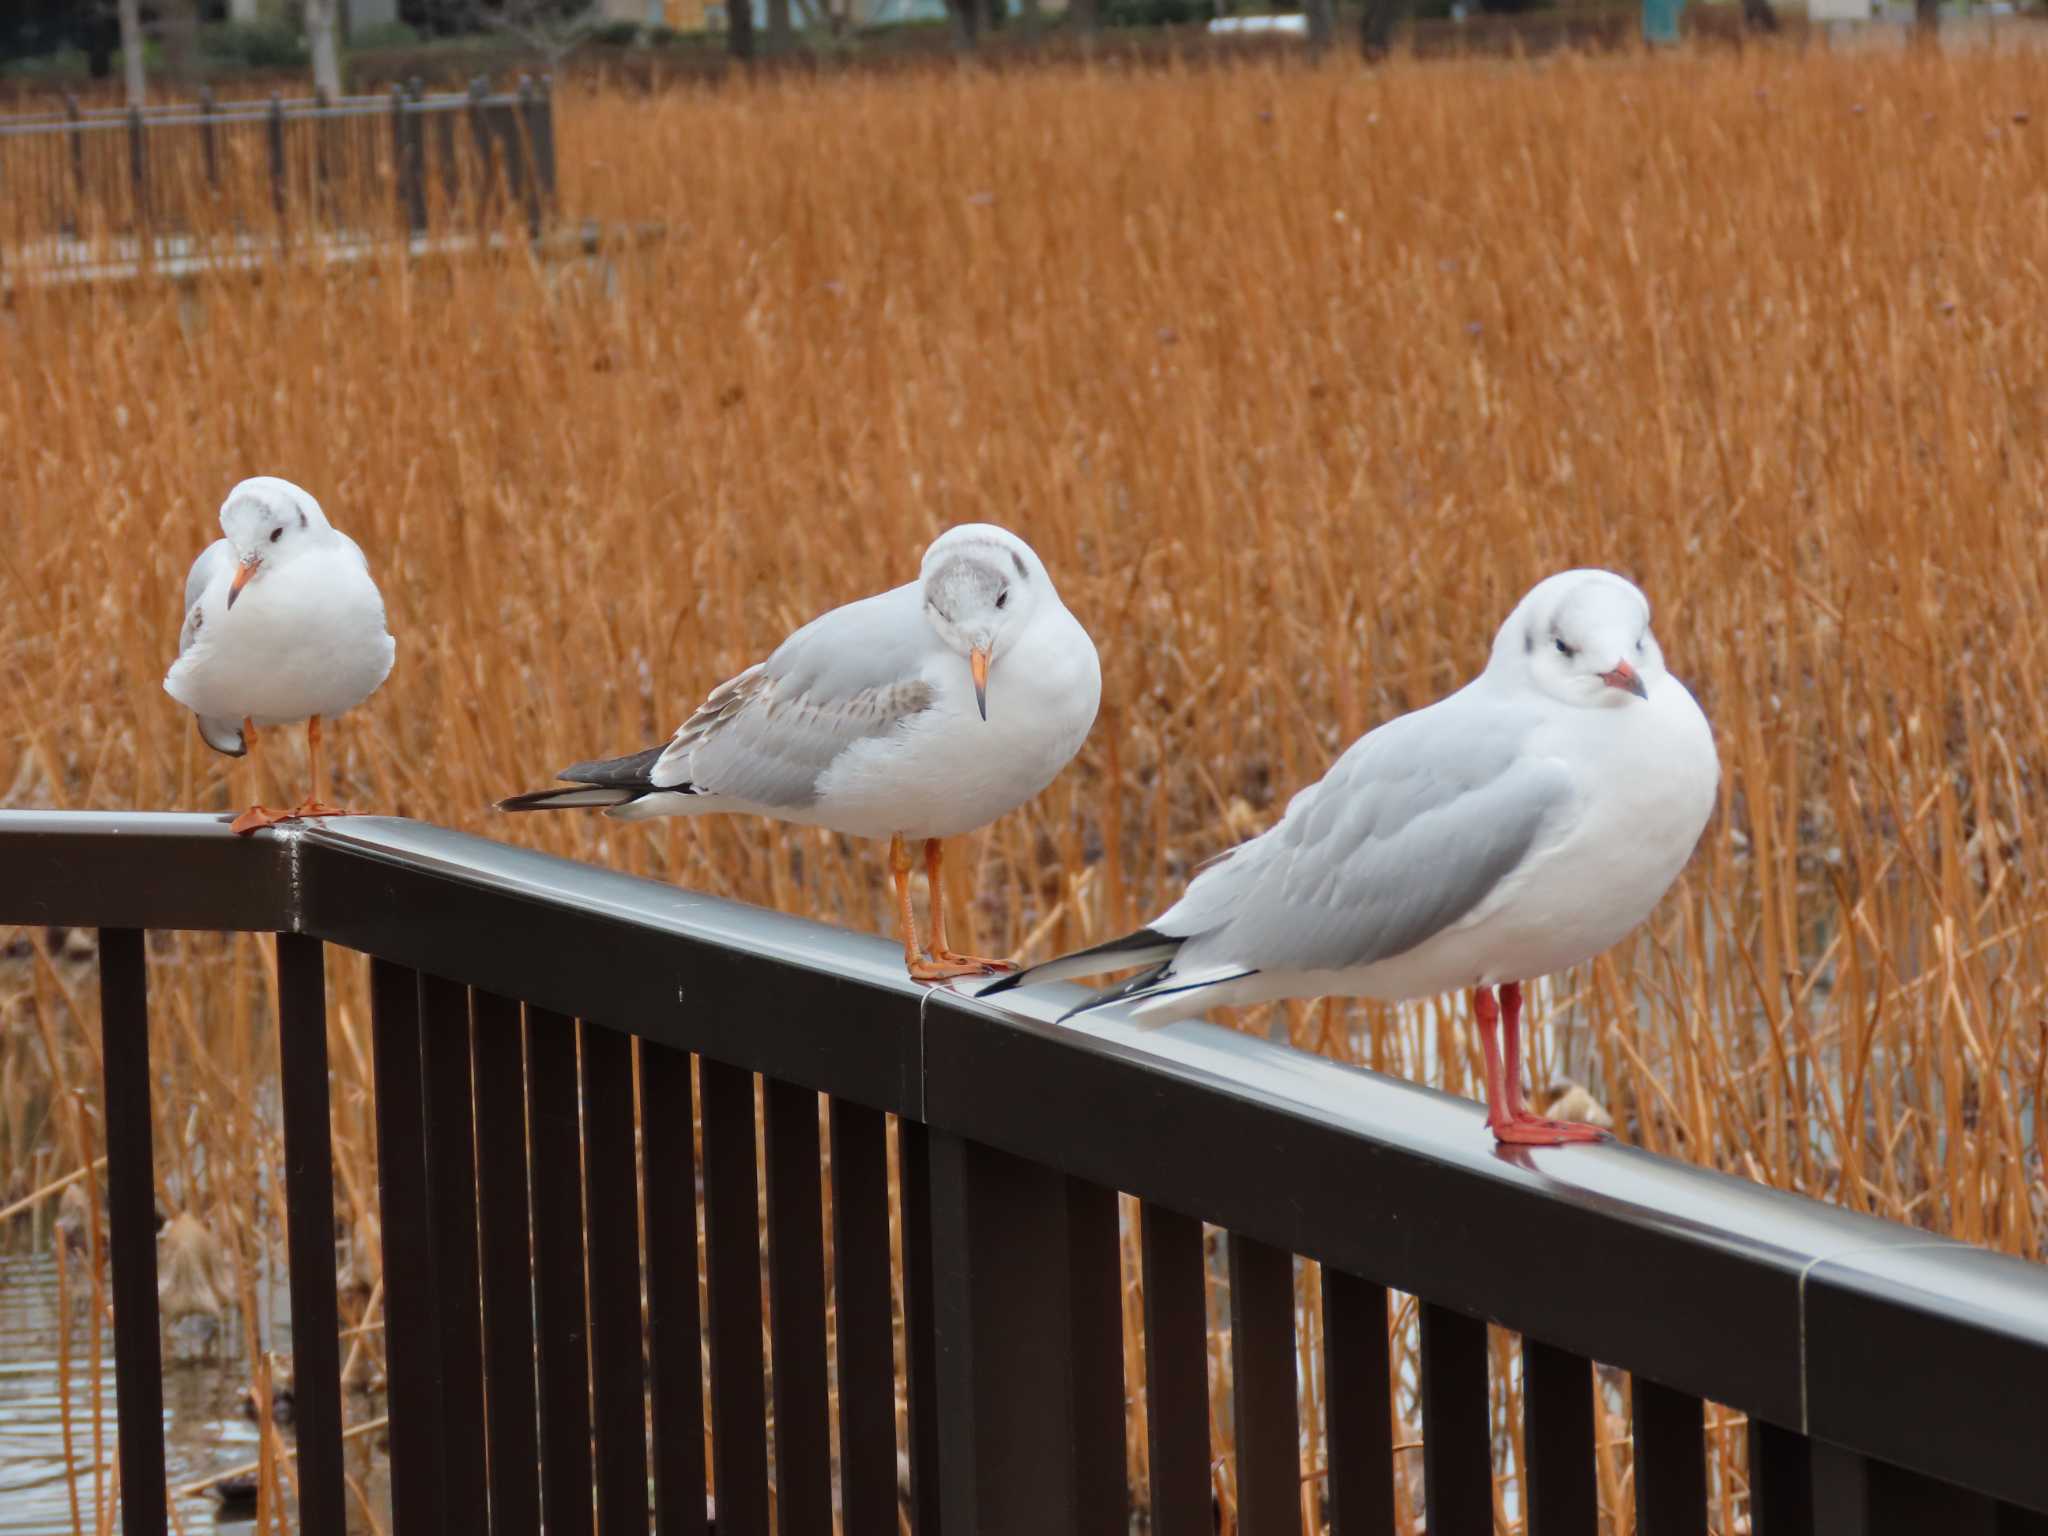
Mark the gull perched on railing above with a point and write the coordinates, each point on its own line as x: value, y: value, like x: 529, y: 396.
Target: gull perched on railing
x: 282, y: 624
x: 1521, y: 825
x: 923, y: 712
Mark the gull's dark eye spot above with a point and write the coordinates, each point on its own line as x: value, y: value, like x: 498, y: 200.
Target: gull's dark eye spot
x: 1641, y: 640
x: 276, y: 534
x: 1563, y: 649
x: 1003, y: 597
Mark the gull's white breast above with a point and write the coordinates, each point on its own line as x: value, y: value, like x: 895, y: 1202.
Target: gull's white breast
x: 946, y: 771
x: 306, y: 638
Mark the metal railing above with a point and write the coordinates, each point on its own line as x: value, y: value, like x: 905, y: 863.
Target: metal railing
x: 135, y: 171
x: 1894, y: 1381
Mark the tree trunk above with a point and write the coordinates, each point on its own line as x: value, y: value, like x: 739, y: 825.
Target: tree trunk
x: 966, y: 22
x: 323, y: 29
x: 1757, y: 16
x: 1084, y: 15
x: 780, y: 34
x: 739, y: 29
x: 131, y: 51
x: 1322, y: 23
x: 1377, y: 30
x: 1927, y: 20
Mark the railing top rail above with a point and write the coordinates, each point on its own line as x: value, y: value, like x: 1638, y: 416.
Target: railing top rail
x: 1877, y: 1336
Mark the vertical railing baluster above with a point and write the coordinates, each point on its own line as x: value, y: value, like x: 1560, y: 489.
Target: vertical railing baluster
x: 1176, y: 1372
x: 411, y: 1327
x: 1262, y: 1373
x: 558, y: 1273
x: 1457, y: 1448
x: 1561, y: 1488
x: 511, y: 1413
x: 1780, y: 1481
x: 131, y: 1223
x: 611, y: 1215
x: 1359, y: 1427
x: 1855, y: 1495
x: 796, y: 1310
x: 860, y: 1262
x: 309, y: 1199
x: 733, y: 1264
x: 675, y: 1341
x: 1671, y: 1461
x: 1004, y: 1322
x: 1095, y: 1282
x: 920, y: 1335
x: 451, y: 1206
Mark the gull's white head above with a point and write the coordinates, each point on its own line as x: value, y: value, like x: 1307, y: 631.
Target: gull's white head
x: 269, y: 522
x: 1582, y: 637
x: 981, y: 586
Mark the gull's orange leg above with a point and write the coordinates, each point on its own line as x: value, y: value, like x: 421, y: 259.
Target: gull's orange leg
x: 258, y: 815
x: 311, y: 805
x: 934, y: 857
x: 914, y: 961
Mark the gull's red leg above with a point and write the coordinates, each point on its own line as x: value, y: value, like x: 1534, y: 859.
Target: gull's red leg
x: 914, y: 960
x: 1486, y: 1014
x: 311, y: 805
x: 1533, y: 1129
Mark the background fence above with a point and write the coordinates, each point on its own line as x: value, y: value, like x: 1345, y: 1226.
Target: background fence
x: 354, y: 164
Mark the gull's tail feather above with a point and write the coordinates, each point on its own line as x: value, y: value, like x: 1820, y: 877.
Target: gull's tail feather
x: 611, y: 781
x: 1147, y: 946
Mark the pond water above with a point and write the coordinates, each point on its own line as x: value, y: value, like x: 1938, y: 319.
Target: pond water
x: 205, y: 1429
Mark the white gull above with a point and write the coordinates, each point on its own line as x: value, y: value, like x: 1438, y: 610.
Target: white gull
x: 1523, y: 824
x: 282, y: 623
x: 920, y: 713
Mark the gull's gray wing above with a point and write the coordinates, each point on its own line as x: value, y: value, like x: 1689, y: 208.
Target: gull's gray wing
x: 1407, y: 834
x: 767, y: 735
x: 220, y: 734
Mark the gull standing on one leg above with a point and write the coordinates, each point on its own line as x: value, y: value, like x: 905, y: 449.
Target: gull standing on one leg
x: 921, y: 713
x: 282, y: 624
x: 1521, y: 825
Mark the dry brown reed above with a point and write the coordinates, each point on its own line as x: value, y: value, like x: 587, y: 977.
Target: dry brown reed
x: 1297, y: 379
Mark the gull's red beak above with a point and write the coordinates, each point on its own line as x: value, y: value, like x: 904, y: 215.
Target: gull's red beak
x: 247, y: 569
x: 1625, y: 676
x: 977, y: 660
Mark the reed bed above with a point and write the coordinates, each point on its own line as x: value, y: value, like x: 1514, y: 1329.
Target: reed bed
x: 1297, y: 378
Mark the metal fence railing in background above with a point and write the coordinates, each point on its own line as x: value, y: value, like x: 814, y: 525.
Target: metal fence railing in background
x: 354, y: 164
x: 529, y: 1016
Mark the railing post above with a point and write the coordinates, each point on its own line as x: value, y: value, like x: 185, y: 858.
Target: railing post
x: 480, y: 138
x: 309, y: 1199
x: 138, y: 168
x: 529, y: 182
x: 1009, y: 1324
x: 209, y: 150
x: 131, y: 1222
x: 415, y: 180
x: 274, y: 131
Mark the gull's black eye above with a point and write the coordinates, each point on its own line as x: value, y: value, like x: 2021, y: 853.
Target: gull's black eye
x: 276, y: 534
x: 1563, y: 649
x: 1002, y: 597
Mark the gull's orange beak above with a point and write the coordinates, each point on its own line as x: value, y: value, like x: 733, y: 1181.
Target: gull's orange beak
x: 1625, y: 676
x: 247, y: 569
x: 977, y: 659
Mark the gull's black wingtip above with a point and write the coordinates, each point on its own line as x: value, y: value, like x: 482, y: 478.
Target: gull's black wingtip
x: 1003, y: 983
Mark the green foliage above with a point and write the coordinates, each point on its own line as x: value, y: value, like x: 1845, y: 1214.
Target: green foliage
x: 391, y: 34
x: 254, y: 45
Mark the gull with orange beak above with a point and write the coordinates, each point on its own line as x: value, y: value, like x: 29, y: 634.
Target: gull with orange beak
x: 918, y: 714
x: 282, y: 624
x: 1523, y: 824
